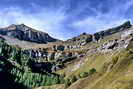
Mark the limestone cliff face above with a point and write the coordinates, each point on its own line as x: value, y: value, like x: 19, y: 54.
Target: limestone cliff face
x: 23, y: 32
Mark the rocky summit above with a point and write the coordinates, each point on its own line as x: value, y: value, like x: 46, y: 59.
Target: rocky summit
x: 31, y: 59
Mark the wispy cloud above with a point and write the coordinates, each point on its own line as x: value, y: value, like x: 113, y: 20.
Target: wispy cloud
x: 45, y: 20
x: 115, y: 16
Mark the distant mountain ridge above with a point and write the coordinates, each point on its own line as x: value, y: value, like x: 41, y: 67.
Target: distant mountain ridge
x: 84, y: 37
x: 113, y: 30
x: 23, y: 32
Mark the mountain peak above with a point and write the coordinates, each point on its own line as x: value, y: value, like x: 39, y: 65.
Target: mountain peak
x: 23, y: 32
x: 22, y: 24
x: 127, y: 23
x: 20, y: 27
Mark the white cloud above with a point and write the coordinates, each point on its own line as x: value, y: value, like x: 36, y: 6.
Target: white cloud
x: 95, y: 24
x: 114, y: 17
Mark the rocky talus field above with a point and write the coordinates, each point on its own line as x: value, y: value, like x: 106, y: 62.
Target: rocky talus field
x: 31, y: 59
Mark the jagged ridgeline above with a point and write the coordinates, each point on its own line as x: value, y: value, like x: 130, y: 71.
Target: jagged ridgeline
x: 16, y: 71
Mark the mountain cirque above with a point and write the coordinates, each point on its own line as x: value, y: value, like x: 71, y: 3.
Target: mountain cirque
x: 102, y: 60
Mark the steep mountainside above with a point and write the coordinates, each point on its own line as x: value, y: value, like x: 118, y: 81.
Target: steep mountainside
x: 23, y: 32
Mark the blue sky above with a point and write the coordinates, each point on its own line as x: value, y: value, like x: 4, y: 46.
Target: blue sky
x: 64, y: 19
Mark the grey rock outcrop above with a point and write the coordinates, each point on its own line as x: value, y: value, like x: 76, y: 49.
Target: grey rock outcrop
x: 112, y: 44
x: 127, y: 33
x: 82, y: 39
x: 115, y: 45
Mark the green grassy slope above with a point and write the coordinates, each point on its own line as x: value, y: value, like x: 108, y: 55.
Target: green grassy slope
x: 113, y: 73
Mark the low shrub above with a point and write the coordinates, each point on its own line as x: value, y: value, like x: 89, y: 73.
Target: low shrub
x: 70, y: 80
x: 92, y: 71
x: 84, y: 74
